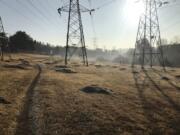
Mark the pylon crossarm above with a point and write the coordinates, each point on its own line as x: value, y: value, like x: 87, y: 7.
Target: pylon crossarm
x: 82, y: 9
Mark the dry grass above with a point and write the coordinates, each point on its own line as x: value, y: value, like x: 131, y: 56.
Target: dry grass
x: 13, y: 86
x: 141, y: 102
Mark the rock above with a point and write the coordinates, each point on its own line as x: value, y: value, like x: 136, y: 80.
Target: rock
x: 165, y: 78
x: 18, y: 66
x: 122, y: 69
x: 135, y: 72
x: 3, y: 101
x: 65, y: 70
x: 98, y: 66
x: 177, y: 76
x: 61, y: 66
x: 96, y: 90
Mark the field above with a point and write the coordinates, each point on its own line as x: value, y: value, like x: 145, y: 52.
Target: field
x: 39, y: 96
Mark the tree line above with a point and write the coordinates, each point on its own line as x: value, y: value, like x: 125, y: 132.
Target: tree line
x: 22, y: 42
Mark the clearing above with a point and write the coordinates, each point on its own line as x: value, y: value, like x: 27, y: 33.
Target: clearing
x: 38, y: 95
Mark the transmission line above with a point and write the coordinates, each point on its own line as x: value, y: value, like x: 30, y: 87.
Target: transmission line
x: 28, y: 20
x: 48, y: 9
x: 39, y: 11
x: 105, y: 4
x: 27, y: 7
x: 93, y: 27
x: 53, y: 7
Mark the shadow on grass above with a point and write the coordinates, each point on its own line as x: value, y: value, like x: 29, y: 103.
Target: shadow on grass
x: 153, y: 111
x: 165, y: 96
x: 169, y: 81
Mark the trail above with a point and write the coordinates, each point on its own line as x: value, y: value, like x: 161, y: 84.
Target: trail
x: 24, y: 121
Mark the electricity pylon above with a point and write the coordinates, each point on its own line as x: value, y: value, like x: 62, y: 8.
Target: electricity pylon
x: 2, y: 39
x: 148, y: 47
x: 75, y: 36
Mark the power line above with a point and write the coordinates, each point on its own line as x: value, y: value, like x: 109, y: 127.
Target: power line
x: 175, y: 3
x: 105, y: 4
x: 43, y: 15
x: 27, y: 7
x: 39, y: 11
x: 28, y: 20
x: 54, y: 8
x: 48, y: 11
x: 93, y: 27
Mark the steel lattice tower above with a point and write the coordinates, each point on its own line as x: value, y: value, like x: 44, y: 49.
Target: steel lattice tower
x: 148, y: 47
x: 2, y: 37
x: 75, y: 36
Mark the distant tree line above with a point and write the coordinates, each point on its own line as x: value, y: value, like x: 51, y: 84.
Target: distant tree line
x: 171, y: 54
x: 22, y: 42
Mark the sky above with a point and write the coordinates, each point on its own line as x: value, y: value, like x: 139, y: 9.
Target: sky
x: 115, y: 23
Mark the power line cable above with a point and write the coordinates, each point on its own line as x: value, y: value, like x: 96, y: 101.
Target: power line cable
x: 27, y: 7
x: 28, y: 20
x: 174, y: 3
x: 54, y: 9
x: 93, y: 26
x: 105, y: 4
x: 48, y: 11
x: 39, y: 11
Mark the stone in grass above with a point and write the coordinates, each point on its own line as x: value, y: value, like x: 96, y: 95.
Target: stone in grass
x: 94, y: 89
x: 98, y: 66
x: 24, y: 62
x: 178, y: 76
x: 122, y: 69
x: 135, y: 72
x: 165, y: 78
x: 65, y: 70
x: 3, y: 101
x: 18, y: 66
x: 61, y: 66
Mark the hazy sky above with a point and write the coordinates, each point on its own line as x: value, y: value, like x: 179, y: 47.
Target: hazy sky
x: 115, y: 24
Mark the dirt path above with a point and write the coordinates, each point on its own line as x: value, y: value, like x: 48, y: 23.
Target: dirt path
x: 24, y: 121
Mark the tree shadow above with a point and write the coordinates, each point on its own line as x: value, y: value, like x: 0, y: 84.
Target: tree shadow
x: 151, y: 110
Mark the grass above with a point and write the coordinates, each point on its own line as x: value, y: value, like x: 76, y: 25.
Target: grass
x: 13, y: 86
x: 142, y: 103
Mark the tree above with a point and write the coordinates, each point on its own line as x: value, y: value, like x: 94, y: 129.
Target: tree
x: 21, y: 41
